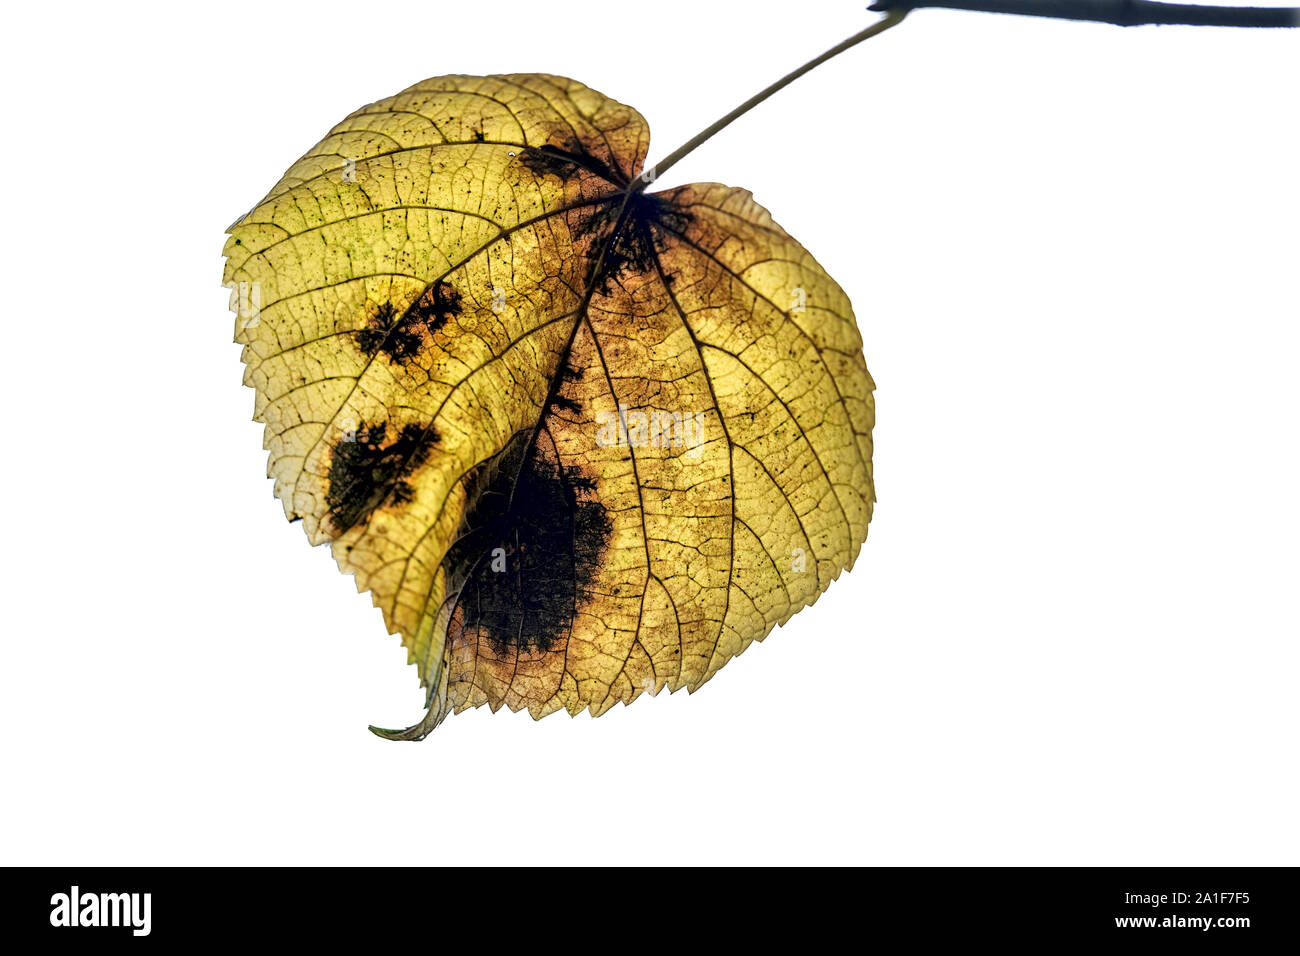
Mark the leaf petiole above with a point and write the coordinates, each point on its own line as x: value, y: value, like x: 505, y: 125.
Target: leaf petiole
x: 1119, y: 12
x: 892, y: 18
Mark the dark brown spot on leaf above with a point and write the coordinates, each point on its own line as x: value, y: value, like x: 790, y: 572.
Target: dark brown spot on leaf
x: 648, y: 227
x: 563, y: 161
x: 368, y: 471
x: 402, y: 338
x: 529, y: 547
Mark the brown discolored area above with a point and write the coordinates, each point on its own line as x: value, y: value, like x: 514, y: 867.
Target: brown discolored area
x: 402, y: 338
x: 368, y: 471
x: 533, y: 535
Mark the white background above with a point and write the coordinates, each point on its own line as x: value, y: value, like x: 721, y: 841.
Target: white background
x: 1071, y: 637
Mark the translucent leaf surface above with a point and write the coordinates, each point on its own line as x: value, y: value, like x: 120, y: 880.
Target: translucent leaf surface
x: 578, y: 441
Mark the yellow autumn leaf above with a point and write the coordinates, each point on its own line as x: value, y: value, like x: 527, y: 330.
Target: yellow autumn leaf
x: 578, y: 440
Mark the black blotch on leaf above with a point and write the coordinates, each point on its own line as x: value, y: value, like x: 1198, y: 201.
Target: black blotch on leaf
x: 565, y: 403
x: 542, y: 162
x: 561, y: 161
x: 370, y: 471
x: 373, y: 336
x: 646, y: 230
x: 402, y: 337
x: 551, y: 533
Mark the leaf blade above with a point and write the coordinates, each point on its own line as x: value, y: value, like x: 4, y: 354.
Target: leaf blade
x: 449, y: 321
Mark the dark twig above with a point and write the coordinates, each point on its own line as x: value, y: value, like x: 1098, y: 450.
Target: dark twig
x: 1124, y: 13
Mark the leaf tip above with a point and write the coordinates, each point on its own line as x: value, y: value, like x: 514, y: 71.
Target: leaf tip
x: 395, y: 734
